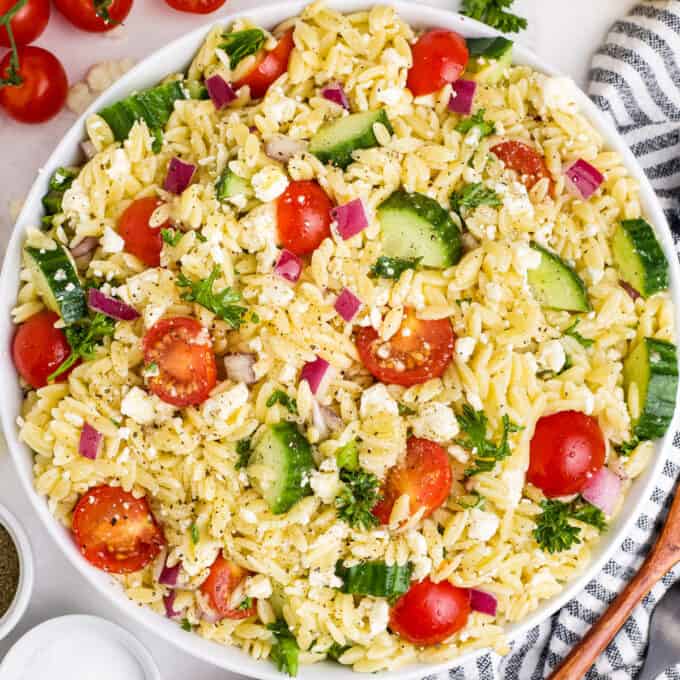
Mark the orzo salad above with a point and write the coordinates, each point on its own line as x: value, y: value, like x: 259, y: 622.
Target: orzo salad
x: 344, y: 344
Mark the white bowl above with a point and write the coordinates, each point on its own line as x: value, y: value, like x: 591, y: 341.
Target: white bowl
x: 176, y: 57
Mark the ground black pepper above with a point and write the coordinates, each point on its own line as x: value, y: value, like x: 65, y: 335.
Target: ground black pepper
x: 9, y: 570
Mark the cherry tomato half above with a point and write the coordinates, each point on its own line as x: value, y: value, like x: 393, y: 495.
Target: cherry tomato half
x: 419, y: 351
x: 94, y: 15
x: 196, y: 6
x: 268, y: 67
x: 27, y: 24
x: 439, y: 57
x: 566, y: 449
x: 38, y: 349
x: 141, y: 240
x: 43, y: 89
x: 182, y: 350
x: 304, y: 217
x: 524, y: 160
x: 425, y: 476
x: 222, y: 580
x: 430, y: 612
x: 116, y: 531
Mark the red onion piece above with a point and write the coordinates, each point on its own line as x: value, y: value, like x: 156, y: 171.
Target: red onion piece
x: 208, y: 614
x: 335, y: 93
x: 116, y: 309
x: 351, y: 218
x: 239, y: 368
x: 169, y: 602
x: 89, y: 149
x: 85, y: 246
x: 602, y: 490
x: 282, y: 148
x: 220, y: 91
x: 481, y: 601
x: 462, y: 96
x: 348, y: 304
x: 179, y: 176
x: 331, y: 419
x: 314, y: 372
x: 629, y: 289
x: 90, y: 443
x: 288, y: 266
x: 583, y: 179
x: 169, y: 575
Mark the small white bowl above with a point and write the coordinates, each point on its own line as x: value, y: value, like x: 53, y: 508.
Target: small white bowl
x: 26, y: 571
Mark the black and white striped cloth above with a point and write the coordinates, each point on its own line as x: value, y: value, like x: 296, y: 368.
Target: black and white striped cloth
x: 635, y: 78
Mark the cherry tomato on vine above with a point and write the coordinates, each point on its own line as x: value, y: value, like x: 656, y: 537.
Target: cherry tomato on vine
x: 222, y: 580
x: 196, y: 6
x: 439, y: 57
x: 27, y: 24
x: 96, y: 16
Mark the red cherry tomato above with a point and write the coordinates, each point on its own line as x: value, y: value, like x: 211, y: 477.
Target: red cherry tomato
x: 39, y: 348
x: 439, y: 57
x: 524, y: 160
x: 566, y: 449
x: 196, y: 6
x: 222, y: 580
x: 141, y: 240
x: 304, y: 217
x: 42, y: 92
x: 425, y: 476
x: 116, y: 531
x: 268, y: 67
x: 417, y: 352
x: 93, y: 15
x: 430, y: 612
x: 182, y: 350
x: 27, y: 24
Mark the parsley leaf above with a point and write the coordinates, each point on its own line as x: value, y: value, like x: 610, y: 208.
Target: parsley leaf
x: 84, y: 338
x: 357, y: 498
x: 221, y: 304
x: 335, y: 651
x: 285, y: 650
x: 246, y: 604
x: 171, y: 237
x: 572, y: 333
x: 493, y: 13
x: 472, y: 196
x: 241, y: 44
x: 347, y: 456
x: 393, y: 267
x: 554, y: 532
x: 186, y: 625
x: 486, y: 453
x: 195, y: 535
x: 628, y: 447
x: 243, y: 449
x: 280, y: 397
x: 476, y: 120
x: 405, y: 410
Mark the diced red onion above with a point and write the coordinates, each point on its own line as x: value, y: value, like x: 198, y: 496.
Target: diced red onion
x: 85, y: 246
x: 335, y: 93
x: 462, y: 96
x: 351, y: 218
x: 348, y: 304
x: 481, y: 601
x: 288, y: 266
x: 179, y: 176
x: 314, y: 372
x: 239, y: 368
x: 318, y: 420
x: 169, y: 602
x: 159, y: 564
x: 220, y: 91
x: 332, y: 420
x: 602, y: 490
x: 583, y: 179
x: 629, y: 289
x: 169, y: 575
x: 90, y: 443
x: 208, y: 614
x: 89, y: 149
x: 116, y: 309
x: 282, y: 148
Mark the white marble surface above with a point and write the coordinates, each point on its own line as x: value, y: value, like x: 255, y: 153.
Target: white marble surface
x: 563, y: 33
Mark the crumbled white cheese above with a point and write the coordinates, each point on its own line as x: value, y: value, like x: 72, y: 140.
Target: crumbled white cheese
x: 390, y: 95
x: 60, y: 275
x: 112, y: 242
x: 325, y: 485
x: 551, y: 355
x: 459, y: 453
x: 258, y: 586
x: 119, y: 169
x: 139, y: 406
x: 435, y: 421
x: 517, y: 202
x: 560, y: 94
x: 525, y: 258
x: 514, y: 481
x: 379, y: 617
x: 494, y: 291
x: 248, y: 516
x: 276, y: 293
x: 376, y: 399
x: 483, y: 524
x: 465, y: 346
x: 153, y: 312
x: 422, y: 566
x: 223, y: 405
x: 472, y: 138
x: 269, y: 183
x: 596, y: 275
x: 325, y: 578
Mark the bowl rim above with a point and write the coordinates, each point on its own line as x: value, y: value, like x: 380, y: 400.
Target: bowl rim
x: 178, y: 54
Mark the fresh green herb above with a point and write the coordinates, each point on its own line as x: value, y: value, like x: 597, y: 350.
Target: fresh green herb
x: 117, y: 423
x: 495, y: 14
x: 13, y: 76
x: 476, y: 120
x: 405, y: 410
x: 200, y: 236
x: 254, y: 317
x: 60, y: 183
x: 280, y: 397
x: 101, y: 8
x: 241, y: 44
x: 628, y: 447
x: 472, y: 500
x: 195, y: 535
x: 356, y: 500
x: 335, y: 651
x: 554, y: 532
x: 285, y: 650
x: 243, y: 448
x: 472, y: 196
x: 171, y: 237
x: 347, y: 456
x: 186, y: 625
x: 572, y: 333
x: 486, y: 453
x: 84, y: 338
x: 392, y: 267
x: 246, y: 604
x: 221, y: 304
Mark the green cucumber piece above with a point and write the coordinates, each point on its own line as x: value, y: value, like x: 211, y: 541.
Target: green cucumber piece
x: 416, y: 226
x: 57, y: 282
x: 279, y: 466
x: 375, y: 578
x: 60, y: 182
x: 335, y: 141
x: 639, y: 258
x: 230, y: 184
x: 556, y: 285
x: 653, y: 367
x: 489, y: 58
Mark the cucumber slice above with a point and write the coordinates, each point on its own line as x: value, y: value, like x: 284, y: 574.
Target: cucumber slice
x: 653, y: 367
x: 230, y: 184
x: 279, y: 467
x: 489, y: 58
x: 556, y: 285
x: 375, y: 578
x: 639, y: 258
x: 57, y: 282
x: 416, y: 226
x: 335, y: 141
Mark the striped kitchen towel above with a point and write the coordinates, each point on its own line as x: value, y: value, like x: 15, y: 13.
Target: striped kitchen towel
x: 635, y: 79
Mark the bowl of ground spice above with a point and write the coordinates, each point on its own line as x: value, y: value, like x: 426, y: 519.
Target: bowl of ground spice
x: 16, y: 571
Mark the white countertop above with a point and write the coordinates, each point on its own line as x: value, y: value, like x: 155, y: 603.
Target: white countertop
x: 563, y: 33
